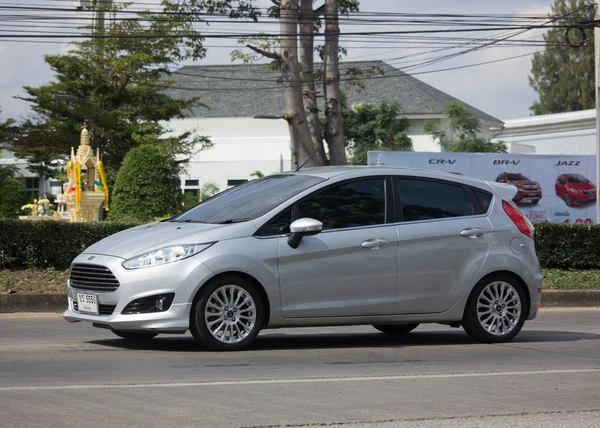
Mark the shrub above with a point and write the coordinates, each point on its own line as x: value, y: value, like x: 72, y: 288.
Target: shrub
x: 147, y: 186
x: 48, y: 243
x: 568, y: 246
x: 55, y: 244
x: 12, y: 197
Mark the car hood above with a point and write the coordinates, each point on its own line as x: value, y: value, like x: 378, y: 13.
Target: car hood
x: 523, y: 182
x: 581, y: 186
x: 142, y: 239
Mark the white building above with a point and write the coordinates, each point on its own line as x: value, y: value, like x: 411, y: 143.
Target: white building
x: 34, y: 185
x: 242, y: 144
x: 563, y: 133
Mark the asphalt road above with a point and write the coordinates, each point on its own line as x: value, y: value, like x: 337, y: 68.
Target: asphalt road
x: 57, y: 374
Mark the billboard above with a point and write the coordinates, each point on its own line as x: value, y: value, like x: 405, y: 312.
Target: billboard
x: 557, y: 188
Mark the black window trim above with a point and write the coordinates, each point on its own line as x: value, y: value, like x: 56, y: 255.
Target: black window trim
x: 390, y: 206
x: 477, y: 206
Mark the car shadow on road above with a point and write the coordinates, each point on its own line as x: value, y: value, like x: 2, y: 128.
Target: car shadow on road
x: 273, y: 340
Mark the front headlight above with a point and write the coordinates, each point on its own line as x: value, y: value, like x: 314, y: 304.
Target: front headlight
x: 165, y: 255
x: 577, y: 191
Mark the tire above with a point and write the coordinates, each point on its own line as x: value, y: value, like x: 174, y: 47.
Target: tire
x: 567, y: 199
x: 215, y: 314
x: 502, y: 304
x: 134, y: 335
x: 395, y: 329
x: 535, y: 202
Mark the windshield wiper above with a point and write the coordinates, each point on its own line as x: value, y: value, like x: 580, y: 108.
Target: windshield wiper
x: 233, y: 220
x: 188, y: 220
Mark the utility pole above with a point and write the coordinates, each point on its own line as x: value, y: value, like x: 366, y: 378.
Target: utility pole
x: 597, y: 63
x: 98, y: 21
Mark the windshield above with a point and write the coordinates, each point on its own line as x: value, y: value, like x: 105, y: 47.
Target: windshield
x: 248, y: 201
x: 517, y: 177
x: 577, y: 179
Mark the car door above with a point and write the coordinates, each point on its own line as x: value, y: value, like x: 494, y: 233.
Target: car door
x: 350, y: 268
x: 443, y: 240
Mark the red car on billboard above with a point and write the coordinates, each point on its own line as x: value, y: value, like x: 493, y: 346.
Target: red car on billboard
x: 574, y: 189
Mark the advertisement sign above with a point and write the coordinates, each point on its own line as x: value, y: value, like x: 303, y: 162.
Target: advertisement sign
x: 557, y: 188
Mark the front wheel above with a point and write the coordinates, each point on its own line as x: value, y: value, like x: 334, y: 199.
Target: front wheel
x: 395, y: 329
x: 227, y: 315
x: 567, y: 200
x: 496, y: 310
x: 134, y: 335
x: 535, y: 202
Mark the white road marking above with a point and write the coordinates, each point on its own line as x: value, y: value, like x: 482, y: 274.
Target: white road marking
x: 293, y: 381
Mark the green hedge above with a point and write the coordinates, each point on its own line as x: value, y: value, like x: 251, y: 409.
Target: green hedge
x: 568, y: 246
x: 48, y: 243
x: 55, y: 244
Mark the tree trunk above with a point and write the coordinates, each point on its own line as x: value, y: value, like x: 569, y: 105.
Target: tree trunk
x: 334, y: 130
x: 294, y: 108
x: 309, y: 92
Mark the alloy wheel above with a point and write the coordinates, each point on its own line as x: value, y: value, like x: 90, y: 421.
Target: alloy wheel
x: 230, y: 314
x: 499, y: 308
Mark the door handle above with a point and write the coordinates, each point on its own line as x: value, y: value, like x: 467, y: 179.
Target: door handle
x: 375, y: 243
x: 472, y: 232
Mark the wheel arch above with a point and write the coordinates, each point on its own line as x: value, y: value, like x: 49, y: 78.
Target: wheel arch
x: 256, y: 283
x: 511, y: 274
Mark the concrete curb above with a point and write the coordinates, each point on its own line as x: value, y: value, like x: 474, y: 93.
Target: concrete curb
x: 10, y: 303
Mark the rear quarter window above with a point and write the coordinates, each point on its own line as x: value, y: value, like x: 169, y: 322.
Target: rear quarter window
x: 485, y: 199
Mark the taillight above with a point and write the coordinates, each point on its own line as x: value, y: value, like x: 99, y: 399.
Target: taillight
x: 518, y: 218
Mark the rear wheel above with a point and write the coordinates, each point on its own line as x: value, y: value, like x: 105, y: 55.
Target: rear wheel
x: 395, y: 329
x: 496, y: 309
x: 134, y: 335
x: 227, y: 315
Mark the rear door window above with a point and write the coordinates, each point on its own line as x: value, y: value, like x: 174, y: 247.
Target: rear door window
x: 429, y: 200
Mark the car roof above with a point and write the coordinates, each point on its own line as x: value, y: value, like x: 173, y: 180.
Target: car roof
x: 351, y: 171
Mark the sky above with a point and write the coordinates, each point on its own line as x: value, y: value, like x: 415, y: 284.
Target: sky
x: 500, y: 89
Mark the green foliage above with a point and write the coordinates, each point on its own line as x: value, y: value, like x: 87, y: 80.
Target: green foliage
x: 562, y: 75
x: 374, y: 127
x: 7, y: 130
x: 190, y: 199
x: 12, y: 197
x: 567, y: 246
x: 45, y: 244
x: 208, y: 190
x: 49, y: 243
x: 257, y: 174
x: 147, y: 186
x: 462, y: 135
x: 8, y: 171
x: 117, y: 85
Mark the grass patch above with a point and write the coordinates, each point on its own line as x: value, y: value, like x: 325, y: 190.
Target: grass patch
x: 558, y: 279
x: 33, y: 281
x: 44, y: 281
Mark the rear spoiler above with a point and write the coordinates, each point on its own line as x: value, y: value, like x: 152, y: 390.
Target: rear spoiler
x: 505, y: 191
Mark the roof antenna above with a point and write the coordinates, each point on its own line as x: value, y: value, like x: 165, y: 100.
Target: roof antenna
x: 309, y: 159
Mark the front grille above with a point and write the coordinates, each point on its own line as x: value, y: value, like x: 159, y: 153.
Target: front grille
x: 93, y: 277
x: 530, y: 187
x: 588, y: 192
x: 103, y: 309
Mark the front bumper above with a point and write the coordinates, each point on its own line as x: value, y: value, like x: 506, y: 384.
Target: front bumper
x: 183, y: 278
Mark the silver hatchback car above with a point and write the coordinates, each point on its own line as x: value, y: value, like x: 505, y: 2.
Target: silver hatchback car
x: 388, y: 247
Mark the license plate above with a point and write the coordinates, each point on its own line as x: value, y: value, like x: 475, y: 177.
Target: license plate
x: 87, y: 303
x: 532, y: 195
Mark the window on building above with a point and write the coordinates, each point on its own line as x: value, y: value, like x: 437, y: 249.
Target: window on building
x: 190, y: 183
x: 235, y: 182
x: 32, y: 186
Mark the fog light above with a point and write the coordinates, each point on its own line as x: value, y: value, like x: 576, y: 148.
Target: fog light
x: 150, y: 304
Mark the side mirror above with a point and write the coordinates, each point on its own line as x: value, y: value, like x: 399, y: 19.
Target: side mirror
x: 301, y: 228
